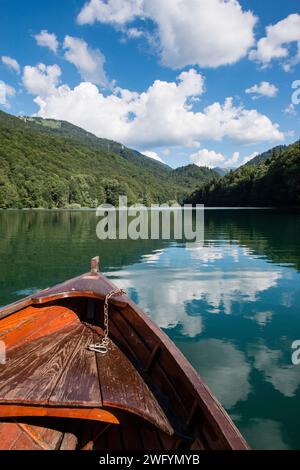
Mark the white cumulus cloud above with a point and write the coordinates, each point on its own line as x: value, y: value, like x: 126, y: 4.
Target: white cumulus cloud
x: 161, y: 116
x: 153, y: 155
x: 218, y: 32
x: 6, y: 92
x: 113, y: 11
x: 41, y: 80
x: 277, y: 41
x: 249, y: 157
x: 46, y: 39
x: 208, y: 158
x: 263, y: 89
x: 11, y: 63
x: 211, y: 159
x: 89, y: 62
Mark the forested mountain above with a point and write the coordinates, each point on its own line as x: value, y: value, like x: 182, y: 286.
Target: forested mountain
x: 273, y: 182
x: 223, y: 171
x: 190, y: 175
x: 274, y: 152
x: 49, y: 164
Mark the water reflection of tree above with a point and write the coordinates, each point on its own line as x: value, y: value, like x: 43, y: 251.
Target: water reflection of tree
x: 269, y: 233
x: 41, y: 248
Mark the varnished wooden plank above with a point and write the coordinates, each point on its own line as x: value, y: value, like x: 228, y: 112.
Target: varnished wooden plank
x: 9, y: 433
x: 25, y: 442
x: 93, y: 414
x: 35, y: 434
x: 57, y: 320
x: 131, y: 341
x: 123, y: 387
x: 16, y: 320
x: 32, y: 372
x: 38, y: 323
x: 79, y: 383
x: 69, y: 442
x: 15, y: 307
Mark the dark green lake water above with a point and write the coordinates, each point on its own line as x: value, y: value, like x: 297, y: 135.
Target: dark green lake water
x: 232, y: 306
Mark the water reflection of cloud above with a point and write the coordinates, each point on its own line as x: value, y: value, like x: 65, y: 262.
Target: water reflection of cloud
x: 223, y: 367
x: 264, y: 434
x: 165, y: 292
x: 284, y: 377
x: 262, y: 318
x: 163, y: 298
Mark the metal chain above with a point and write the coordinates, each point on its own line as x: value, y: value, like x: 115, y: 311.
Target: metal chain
x: 102, y: 346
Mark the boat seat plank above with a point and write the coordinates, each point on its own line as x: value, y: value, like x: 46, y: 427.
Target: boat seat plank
x: 35, y: 323
x: 31, y: 372
x: 79, y: 383
x: 58, y: 370
x: 123, y: 387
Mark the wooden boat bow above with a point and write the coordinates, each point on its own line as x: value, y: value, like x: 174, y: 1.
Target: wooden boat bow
x: 143, y: 382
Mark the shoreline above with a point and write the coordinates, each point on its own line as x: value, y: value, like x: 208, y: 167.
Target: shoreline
x: 91, y: 209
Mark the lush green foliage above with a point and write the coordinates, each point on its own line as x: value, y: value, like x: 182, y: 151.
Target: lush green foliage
x: 274, y: 152
x: 274, y: 182
x: 223, y: 171
x: 49, y: 164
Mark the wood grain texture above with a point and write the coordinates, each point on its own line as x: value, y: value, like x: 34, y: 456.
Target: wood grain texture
x: 46, y: 438
x: 79, y: 383
x: 32, y: 372
x: 9, y: 433
x: 69, y: 442
x: 33, y: 323
x: 93, y: 414
x: 123, y: 387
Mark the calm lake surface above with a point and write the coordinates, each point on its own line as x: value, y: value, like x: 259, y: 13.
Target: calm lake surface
x: 232, y: 306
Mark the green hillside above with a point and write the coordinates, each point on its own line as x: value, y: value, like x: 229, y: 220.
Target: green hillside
x: 53, y: 164
x: 190, y: 175
x: 273, y: 182
x: 223, y: 171
x: 274, y: 152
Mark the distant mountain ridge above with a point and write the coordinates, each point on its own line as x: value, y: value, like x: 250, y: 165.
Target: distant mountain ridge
x: 46, y: 163
x: 274, y: 180
x: 274, y: 152
x: 223, y: 171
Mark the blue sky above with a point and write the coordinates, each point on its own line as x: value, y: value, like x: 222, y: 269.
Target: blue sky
x: 203, y: 81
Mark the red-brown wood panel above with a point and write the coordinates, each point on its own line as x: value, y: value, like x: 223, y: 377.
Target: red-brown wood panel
x: 9, y: 433
x: 123, y: 387
x: 79, y: 383
x: 35, y: 323
x: 32, y: 372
